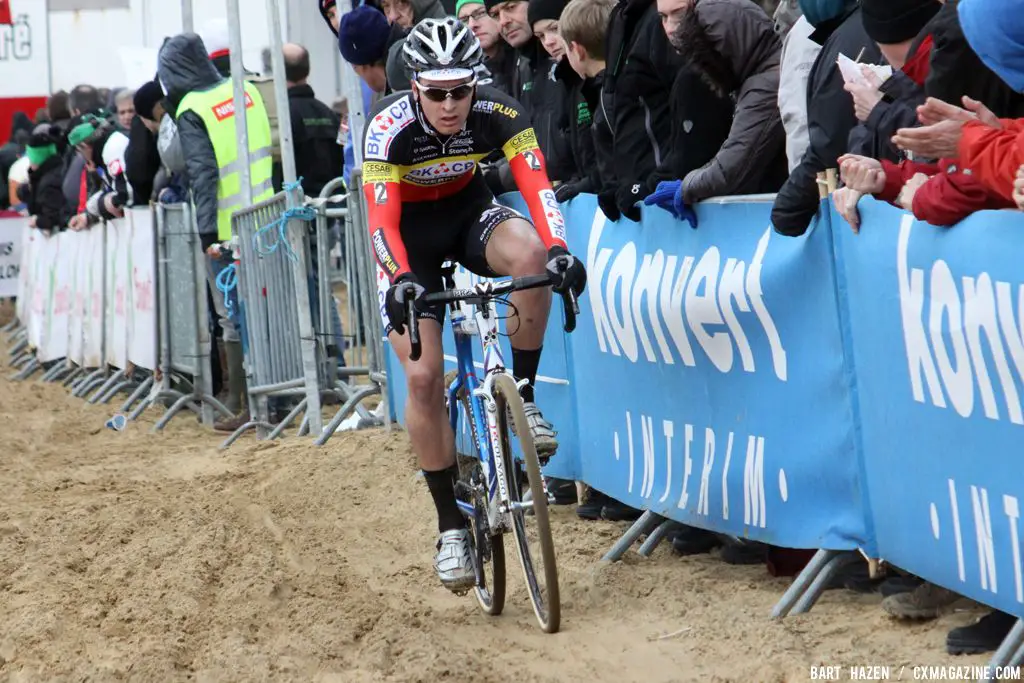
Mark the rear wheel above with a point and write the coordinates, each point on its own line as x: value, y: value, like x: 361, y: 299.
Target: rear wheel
x: 488, y: 551
x: 532, y: 532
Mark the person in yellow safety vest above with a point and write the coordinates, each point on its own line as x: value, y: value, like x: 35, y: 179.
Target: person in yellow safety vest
x: 202, y: 102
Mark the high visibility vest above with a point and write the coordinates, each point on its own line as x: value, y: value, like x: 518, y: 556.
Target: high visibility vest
x: 216, y: 107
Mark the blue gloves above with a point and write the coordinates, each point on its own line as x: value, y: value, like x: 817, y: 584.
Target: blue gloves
x: 669, y: 196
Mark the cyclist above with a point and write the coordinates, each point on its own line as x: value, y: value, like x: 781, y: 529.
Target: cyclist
x: 428, y: 203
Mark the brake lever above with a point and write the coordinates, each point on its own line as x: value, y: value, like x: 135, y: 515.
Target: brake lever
x: 415, y: 349
x: 569, y: 302
x: 572, y: 309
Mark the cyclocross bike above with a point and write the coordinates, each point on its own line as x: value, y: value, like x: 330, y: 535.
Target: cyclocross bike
x: 491, y: 488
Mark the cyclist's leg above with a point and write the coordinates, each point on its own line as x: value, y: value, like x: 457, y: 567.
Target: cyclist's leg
x: 426, y: 420
x: 504, y: 243
x: 430, y: 433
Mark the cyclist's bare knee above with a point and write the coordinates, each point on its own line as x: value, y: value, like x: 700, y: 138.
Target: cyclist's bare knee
x: 424, y: 377
x: 516, y: 250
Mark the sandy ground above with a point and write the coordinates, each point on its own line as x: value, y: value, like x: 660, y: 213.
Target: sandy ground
x: 131, y: 556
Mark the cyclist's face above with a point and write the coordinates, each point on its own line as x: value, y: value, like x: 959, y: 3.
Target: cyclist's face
x: 449, y: 115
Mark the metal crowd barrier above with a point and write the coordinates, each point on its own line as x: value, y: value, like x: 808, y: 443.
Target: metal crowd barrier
x: 283, y: 356
x: 366, y: 357
x: 184, y: 374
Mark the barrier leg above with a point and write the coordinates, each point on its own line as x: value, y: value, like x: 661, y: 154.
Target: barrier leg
x: 89, y: 381
x: 252, y: 424
x: 647, y: 523
x: 211, y: 401
x: 654, y: 539
x: 150, y: 400
x: 9, y: 326
x: 289, y: 418
x: 304, y: 427
x: 21, y: 359
x: 802, y: 582
x: 28, y: 370
x: 1010, y: 650
x: 344, y: 412
x: 55, y: 372
x: 137, y: 394
x: 111, y: 381
x: 821, y: 581
x: 72, y: 376
x: 177, y: 407
x: 19, y: 347
x: 125, y: 383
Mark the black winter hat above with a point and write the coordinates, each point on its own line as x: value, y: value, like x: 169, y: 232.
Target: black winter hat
x: 895, y: 21
x: 147, y: 97
x: 540, y: 10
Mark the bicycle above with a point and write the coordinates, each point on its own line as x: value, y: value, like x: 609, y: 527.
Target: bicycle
x: 489, y: 491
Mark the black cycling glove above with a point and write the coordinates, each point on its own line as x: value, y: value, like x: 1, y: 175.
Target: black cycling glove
x: 398, y: 295
x: 566, y: 271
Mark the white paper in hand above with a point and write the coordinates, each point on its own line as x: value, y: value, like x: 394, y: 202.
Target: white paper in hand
x: 850, y: 70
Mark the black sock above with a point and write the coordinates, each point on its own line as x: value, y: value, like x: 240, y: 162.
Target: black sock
x: 524, y: 366
x: 442, y: 489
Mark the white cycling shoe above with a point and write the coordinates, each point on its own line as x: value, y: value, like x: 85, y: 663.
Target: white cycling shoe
x: 454, y: 562
x: 542, y: 430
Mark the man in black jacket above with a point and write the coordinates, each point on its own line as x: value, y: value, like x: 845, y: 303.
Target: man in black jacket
x: 318, y: 156
x: 644, y: 76
x: 830, y: 117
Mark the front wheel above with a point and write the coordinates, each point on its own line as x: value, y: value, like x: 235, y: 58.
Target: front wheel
x: 536, y: 534
x: 488, y: 551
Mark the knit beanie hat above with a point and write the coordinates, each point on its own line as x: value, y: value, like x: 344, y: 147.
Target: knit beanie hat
x: 81, y: 132
x: 491, y: 4
x: 460, y: 3
x: 539, y: 10
x: 895, y: 21
x: 147, y: 97
x: 40, y: 148
x: 363, y: 36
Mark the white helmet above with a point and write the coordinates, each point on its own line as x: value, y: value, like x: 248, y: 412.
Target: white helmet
x: 442, y: 49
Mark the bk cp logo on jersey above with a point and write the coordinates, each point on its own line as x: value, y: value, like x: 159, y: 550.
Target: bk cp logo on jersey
x: 553, y: 214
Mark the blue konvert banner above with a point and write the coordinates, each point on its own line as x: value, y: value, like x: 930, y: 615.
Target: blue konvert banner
x: 936, y: 335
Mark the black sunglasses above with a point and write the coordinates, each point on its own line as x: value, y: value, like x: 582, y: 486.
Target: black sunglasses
x: 436, y: 94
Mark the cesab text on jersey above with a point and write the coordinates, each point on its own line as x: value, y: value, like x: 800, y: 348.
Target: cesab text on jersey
x: 385, y: 127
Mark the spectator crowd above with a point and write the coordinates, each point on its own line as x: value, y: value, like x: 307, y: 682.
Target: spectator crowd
x: 650, y: 105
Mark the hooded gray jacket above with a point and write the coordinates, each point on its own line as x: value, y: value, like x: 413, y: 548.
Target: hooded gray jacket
x: 184, y: 67
x: 734, y: 46
x: 398, y: 76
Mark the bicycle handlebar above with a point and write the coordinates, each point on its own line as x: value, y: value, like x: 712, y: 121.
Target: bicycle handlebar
x: 484, y: 291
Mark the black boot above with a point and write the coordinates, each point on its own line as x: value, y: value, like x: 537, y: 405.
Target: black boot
x: 591, y: 509
x: 689, y: 540
x: 983, y: 636
x: 617, y: 511
x: 744, y: 552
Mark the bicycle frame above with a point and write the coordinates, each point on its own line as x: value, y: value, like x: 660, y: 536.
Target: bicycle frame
x: 483, y: 407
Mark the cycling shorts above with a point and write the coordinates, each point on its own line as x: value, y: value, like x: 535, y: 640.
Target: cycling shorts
x: 455, y: 228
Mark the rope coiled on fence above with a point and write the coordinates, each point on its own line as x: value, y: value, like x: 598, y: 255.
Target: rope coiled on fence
x: 227, y: 281
x: 280, y: 226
